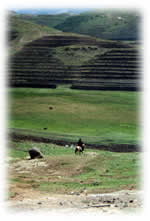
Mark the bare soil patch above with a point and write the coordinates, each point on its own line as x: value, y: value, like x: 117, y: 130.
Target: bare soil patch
x: 25, y: 195
x: 112, y: 203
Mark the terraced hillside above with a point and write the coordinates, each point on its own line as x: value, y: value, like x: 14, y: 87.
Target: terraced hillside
x: 20, y: 32
x: 118, y: 69
x: 80, y: 61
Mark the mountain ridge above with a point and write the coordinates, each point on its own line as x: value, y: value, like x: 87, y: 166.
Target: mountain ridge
x: 105, y: 24
x: 109, y: 25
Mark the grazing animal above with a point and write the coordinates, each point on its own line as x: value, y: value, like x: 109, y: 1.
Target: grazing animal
x: 45, y: 128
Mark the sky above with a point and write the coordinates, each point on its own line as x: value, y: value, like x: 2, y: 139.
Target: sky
x: 49, y: 10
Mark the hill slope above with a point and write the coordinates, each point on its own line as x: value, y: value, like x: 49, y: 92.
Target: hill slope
x: 45, y: 57
x: 107, y: 24
x: 22, y: 32
x: 104, y: 24
x: 48, y: 20
x: 83, y: 62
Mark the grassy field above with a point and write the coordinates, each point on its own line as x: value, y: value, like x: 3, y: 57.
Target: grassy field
x: 98, y: 116
x: 61, y: 171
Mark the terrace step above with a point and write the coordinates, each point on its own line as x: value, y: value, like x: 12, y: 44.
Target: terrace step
x: 63, y: 75
x: 108, y: 87
x: 37, y: 64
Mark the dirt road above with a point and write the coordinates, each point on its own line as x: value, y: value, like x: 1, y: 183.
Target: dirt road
x: 111, y: 203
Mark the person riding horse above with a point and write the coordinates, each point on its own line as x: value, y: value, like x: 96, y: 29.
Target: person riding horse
x: 80, y: 146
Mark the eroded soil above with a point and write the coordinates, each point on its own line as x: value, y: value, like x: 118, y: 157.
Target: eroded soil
x: 24, y: 196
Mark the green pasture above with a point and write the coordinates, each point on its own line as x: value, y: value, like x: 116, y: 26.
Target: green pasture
x: 98, y: 171
x: 98, y: 116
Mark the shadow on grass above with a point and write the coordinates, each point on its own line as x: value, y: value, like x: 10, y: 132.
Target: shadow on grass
x: 125, y: 148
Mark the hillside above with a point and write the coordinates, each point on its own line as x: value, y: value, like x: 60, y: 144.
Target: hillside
x: 22, y: 31
x: 48, y: 20
x: 83, y: 62
x: 46, y: 57
x: 104, y: 24
x: 107, y: 24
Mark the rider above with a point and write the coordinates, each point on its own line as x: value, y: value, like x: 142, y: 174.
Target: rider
x: 81, y: 144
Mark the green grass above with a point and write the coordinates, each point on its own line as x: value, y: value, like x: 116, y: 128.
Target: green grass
x: 66, y: 172
x: 98, y: 116
x: 46, y: 149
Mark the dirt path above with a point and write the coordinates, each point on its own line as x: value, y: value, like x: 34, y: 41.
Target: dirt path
x: 110, y: 203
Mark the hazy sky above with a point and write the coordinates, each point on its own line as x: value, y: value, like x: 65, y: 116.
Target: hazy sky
x: 49, y: 11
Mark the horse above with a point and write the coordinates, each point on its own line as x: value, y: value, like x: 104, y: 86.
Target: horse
x: 80, y: 149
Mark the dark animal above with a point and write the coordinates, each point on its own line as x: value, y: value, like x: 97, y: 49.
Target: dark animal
x: 50, y: 108
x: 35, y: 153
x: 45, y: 128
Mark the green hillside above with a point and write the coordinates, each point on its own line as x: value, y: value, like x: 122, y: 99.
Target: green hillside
x: 104, y: 24
x: 107, y: 24
x: 22, y: 32
x: 48, y: 20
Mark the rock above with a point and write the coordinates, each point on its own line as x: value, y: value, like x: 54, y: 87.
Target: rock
x: 35, y: 153
x: 109, y: 201
x: 131, y: 201
x: 75, y: 193
x: 114, y: 199
x: 66, y: 146
x: 39, y: 203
